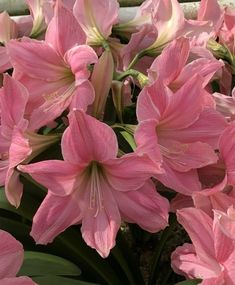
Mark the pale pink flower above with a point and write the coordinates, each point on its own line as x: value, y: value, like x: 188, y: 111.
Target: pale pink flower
x: 180, y: 127
x: 226, y: 221
x: 167, y: 24
x: 177, y: 54
x: 96, y: 18
x: 93, y: 187
x: 17, y: 143
x: 210, y: 257
x: 11, y: 259
x: 8, y: 30
x: 54, y: 71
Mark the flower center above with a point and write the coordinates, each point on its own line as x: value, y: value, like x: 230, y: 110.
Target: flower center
x: 96, y: 197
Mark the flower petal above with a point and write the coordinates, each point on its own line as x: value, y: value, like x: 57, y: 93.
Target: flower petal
x: 54, y: 216
x: 37, y: 58
x: 144, y: 207
x: 11, y: 255
x: 60, y: 177
x: 88, y: 139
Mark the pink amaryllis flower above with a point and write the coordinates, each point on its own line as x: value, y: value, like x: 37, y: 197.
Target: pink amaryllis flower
x: 17, y: 142
x: 93, y: 187
x: 54, y: 71
x: 211, y: 256
x: 184, y: 129
x: 96, y: 24
x: 8, y: 31
x: 11, y: 259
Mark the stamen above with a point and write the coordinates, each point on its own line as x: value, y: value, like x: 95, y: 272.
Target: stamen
x: 96, y: 198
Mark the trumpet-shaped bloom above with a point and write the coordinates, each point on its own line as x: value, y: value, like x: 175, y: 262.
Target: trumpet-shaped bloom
x: 185, y: 131
x: 96, y: 24
x: 55, y: 71
x: 211, y: 256
x: 8, y: 31
x: 93, y: 187
x: 11, y: 259
x: 17, y: 143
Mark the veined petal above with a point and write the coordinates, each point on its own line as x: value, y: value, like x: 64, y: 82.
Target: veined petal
x: 64, y: 31
x: 175, y: 54
x: 206, y: 129
x: 183, y: 182
x: 147, y: 141
x: 38, y: 59
x: 88, y: 139
x: 130, y: 172
x: 180, y: 113
x: 11, y: 256
x: 144, y: 207
x: 227, y: 149
x: 54, y: 216
x: 199, y: 226
x: 91, y: 17
x: 184, y: 157
x: 185, y: 261
x: 13, y: 101
x: 100, y: 225
x: 58, y: 176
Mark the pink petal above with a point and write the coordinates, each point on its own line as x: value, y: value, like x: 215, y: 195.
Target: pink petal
x: 175, y: 53
x: 63, y: 31
x: 99, y: 228
x: 152, y: 101
x: 227, y: 149
x: 87, y: 139
x: 224, y: 246
x: 185, y: 261
x: 11, y: 256
x: 144, y: 207
x: 199, y: 227
x: 147, y: 141
x: 184, y: 157
x: 78, y: 58
x: 60, y: 177
x: 54, y: 216
x: 38, y: 59
x: 17, y: 281
x: 130, y: 172
x: 183, y: 182
x: 5, y: 62
x: 90, y: 15
x: 206, y: 129
x: 178, y: 114
x: 203, y: 66
x: 13, y: 101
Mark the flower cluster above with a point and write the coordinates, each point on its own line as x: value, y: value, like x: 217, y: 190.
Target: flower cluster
x: 71, y: 78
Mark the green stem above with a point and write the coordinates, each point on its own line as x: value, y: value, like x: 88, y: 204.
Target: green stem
x: 137, y: 57
x: 143, y: 79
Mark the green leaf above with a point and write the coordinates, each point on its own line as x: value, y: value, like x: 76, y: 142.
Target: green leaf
x: 129, y: 138
x: 41, y: 264
x: 189, y: 282
x: 4, y: 204
x: 56, y: 280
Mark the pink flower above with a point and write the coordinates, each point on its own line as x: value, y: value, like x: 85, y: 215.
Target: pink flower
x: 17, y: 142
x: 11, y: 259
x: 180, y: 127
x: 96, y: 24
x: 93, y: 187
x: 211, y: 256
x: 54, y: 71
x: 8, y: 30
